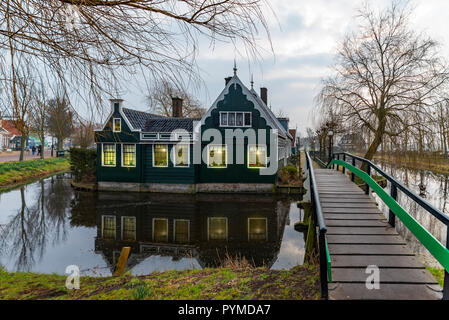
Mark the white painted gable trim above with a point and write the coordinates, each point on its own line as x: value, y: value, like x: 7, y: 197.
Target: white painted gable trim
x: 263, y: 112
x: 122, y: 114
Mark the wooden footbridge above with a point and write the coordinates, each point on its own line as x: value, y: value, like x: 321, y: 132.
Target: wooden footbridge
x: 361, y: 254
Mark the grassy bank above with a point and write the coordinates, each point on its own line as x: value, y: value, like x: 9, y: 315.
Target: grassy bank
x: 436, y: 165
x: 299, y: 283
x: 15, y: 173
x: 438, y: 274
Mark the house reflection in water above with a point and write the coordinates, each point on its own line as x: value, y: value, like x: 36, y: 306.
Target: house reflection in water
x: 206, y: 228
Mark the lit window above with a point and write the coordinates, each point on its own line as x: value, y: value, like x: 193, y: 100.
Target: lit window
x: 160, y: 155
x: 181, y: 155
x: 247, y: 119
x: 117, y: 125
x: 160, y: 230
x: 129, y: 155
x: 257, y: 156
x: 108, y: 155
x: 231, y: 119
x: 129, y: 228
x: 182, y: 231
x: 239, y: 119
x: 217, y: 157
x: 224, y: 119
x: 257, y: 229
x: 108, y: 227
x: 217, y: 228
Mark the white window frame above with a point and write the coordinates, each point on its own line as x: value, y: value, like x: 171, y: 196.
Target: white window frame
x: 175, y: 155
x: 121, y: 227
x: 208, y: 155
x: 266, y: 156
x: 160, y: 144
x: 135, y: 152
x: 102, y: 225
x: 102, y: 155
x: 235, y: 116
x: 266, y: 227
x: 152, y: 228
x: 113, y: 124
x: 174, y: 229
x: 208, y: 224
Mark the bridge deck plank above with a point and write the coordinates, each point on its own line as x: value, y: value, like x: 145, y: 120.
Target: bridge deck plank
x: 359, y: 236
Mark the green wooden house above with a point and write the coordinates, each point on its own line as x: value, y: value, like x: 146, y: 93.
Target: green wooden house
x: 237, y: 146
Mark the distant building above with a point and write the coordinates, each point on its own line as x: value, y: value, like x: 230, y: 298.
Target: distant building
x: 351, y: 142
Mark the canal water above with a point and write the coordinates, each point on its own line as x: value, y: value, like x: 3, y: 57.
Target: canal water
x: 46, y: 226
x: 435, y: 192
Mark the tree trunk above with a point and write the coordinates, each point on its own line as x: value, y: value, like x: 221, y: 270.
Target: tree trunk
x: 59, y: 145
x: 42, y: 146
x: 22, y: 147
x: 369, y: 155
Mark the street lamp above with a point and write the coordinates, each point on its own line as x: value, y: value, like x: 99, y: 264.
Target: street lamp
x: 331, y: 134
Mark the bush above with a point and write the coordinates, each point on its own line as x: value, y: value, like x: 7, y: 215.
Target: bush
x: 289, y: 175
x: 83, y: 163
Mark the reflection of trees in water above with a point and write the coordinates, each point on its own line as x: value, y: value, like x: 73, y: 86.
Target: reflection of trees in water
x: 436, y: 194
x: 28, y: 232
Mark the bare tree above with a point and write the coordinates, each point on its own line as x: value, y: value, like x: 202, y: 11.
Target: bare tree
x: 18, y: 85
x: 160, y: 101
x: 385, y: 72
x: 60, y: 118
x: 90, y: 44
x: 83, y: 133
x: 38, y: 114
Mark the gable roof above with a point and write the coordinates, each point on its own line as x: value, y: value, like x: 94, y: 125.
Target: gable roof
x: 252, y: 96
x: 169, y: 124
x: 9, y: 126
x: 138, y: 119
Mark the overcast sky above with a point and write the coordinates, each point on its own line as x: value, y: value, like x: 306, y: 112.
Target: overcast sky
x: 304, y: 37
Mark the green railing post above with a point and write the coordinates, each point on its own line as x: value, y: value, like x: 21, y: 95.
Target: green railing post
x: 446, y: 275
x: 368, y: 172
x: 394, y: 195
x: 344, y: 159
x: 352, y: 173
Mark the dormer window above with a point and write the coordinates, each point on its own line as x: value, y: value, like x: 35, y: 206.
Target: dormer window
x: 117, y: 125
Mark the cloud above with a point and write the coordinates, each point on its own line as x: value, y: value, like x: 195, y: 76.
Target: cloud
x: 305, y: 37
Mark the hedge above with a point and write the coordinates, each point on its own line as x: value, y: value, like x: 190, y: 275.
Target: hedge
x: 83, y: 163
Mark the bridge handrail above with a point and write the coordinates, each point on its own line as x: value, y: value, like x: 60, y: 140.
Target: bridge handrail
x: 423, y: 203
x: 318, y: 219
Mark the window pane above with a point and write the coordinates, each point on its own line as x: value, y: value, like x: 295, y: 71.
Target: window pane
x: 247, y: 119
x: 257, y: 228
x: 218, y: 228
x: 217, y: 156
x: 129, y: 228
x: 224, y: 119
x: 182, y: 155
x: 239, y: 119
x: 129, y: 155
x: 257, y: 156
x: 160, y: 155
x: 231, y: 119
x: 160, y: 230
x: 109, y: 154
x: 117, y: 125
x: 181, y: 231
x: 109, y: 229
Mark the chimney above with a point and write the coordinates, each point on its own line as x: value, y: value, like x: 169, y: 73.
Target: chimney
x: 177, y: 107
x: 227, y: 80
x: 116, y: 104
x: 264, y: 95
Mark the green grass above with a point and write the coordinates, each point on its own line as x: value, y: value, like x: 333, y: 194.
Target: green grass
x: 17, y: 172
x: 438, y: 274
x: 299, y: 283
